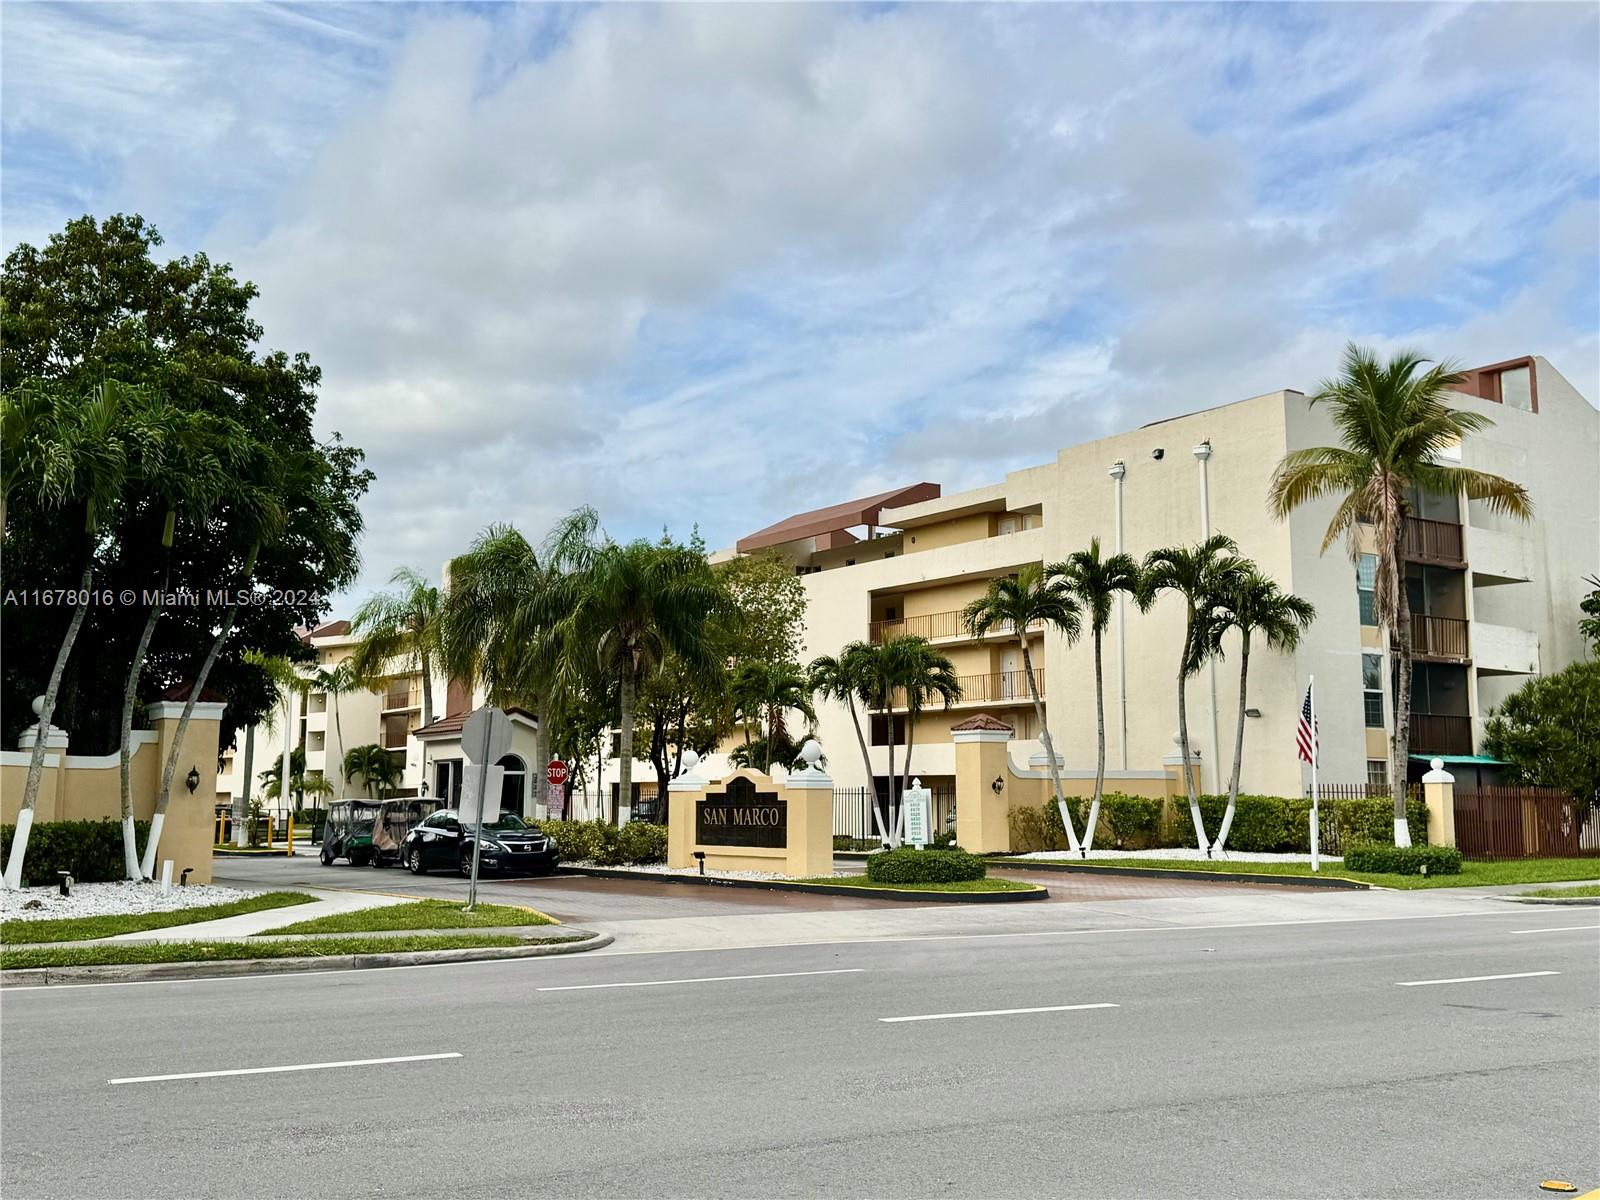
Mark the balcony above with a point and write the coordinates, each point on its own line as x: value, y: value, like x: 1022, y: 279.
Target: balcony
x: 1504, y: 649
x: 1500, y: 557
x: 1432, y: 734
x: 936, y: 626
x: 402, y: 695
x: 1439, y: 637
x: 1432, y: 542
x: 993, y: 687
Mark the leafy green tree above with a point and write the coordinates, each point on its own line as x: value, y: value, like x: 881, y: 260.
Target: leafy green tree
x: 1014, y: 604
x: 1094, y: 582
x: 403, y: 624
x: 1201, y: 575
x: 1255, y: 605
x: 375, y: 767
x: 1394, y: 428
x: 1589, y: 625
x: 1548, y: 730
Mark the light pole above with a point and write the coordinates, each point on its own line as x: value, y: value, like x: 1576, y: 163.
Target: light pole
x: 1117, y: 471
x: 1202, y: 454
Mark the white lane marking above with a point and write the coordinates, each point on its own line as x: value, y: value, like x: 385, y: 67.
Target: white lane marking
x: 322, y: 1066
x: 1476, y: 978
x: 588, y: 987
x: 344, y: 973
x: 995, y: 1012
x: 1558, y: 929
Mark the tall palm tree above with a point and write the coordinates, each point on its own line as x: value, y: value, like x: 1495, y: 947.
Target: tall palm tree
x: 923, y: 675
x: 402, y: 624
x: 1394, y: 426
x: 76, y: 457
x: 766, y: 692
x: 1013, y: 603
x: 1200, y: 574
x: 1254, y: 604
x: 335, y: 682
x: 1094, y: 582
x: 627, y: 609
x: 847, y: 678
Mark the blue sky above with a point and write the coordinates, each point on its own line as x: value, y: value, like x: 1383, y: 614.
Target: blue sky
x: 714, y: 265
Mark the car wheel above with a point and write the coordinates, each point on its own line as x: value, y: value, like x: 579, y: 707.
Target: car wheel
x: 466, y: 864
x: 414, y: 861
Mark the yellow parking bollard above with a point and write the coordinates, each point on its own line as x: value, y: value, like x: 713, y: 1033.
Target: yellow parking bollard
x: 290, y: 850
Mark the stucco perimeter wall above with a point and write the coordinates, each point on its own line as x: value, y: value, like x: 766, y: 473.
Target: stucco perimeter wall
x: 88, y: 788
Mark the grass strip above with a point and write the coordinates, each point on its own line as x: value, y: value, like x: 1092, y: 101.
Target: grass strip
x: 422, y: 914
x: 79, y: 929
x: 1473, y: 873
x: 165, y: 952
x: 965, y: 885
x: 1574, y: 893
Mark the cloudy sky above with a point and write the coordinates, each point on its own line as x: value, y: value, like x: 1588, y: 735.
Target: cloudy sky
x: 719, y: 264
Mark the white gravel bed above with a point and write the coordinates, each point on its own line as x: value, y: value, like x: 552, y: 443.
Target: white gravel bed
x: 110, y: 899
x: 1177, y: 854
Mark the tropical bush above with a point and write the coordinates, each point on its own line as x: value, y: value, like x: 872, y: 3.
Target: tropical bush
x: 1380, y: 859
x: 90, y: 850
x: 641, y: 842
x: 855, y: 844
x: 910, y: 865
x: 605, y: 845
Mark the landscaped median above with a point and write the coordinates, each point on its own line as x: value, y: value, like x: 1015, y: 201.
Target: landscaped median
x: 82, y: 929
x: 1334, y: 874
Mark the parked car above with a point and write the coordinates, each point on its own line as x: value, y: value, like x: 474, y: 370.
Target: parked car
x: 443, y: 842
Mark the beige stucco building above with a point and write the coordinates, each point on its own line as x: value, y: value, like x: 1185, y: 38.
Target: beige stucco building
x: 1495, y: 601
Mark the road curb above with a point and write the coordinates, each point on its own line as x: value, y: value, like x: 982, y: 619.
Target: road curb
x: 1558, y: 901
x: 816, y: 889
x: 1177, y: 873
x: 146, y: 972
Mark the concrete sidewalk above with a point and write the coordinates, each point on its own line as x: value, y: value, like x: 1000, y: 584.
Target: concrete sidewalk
x: 327, y: 904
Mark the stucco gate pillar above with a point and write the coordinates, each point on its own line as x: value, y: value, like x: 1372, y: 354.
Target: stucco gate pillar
x: 983, y: 777
x: 1439, y: 798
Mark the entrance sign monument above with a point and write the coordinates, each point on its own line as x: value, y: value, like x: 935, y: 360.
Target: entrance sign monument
x: 752, y: 822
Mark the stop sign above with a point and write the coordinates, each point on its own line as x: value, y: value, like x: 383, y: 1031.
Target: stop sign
x: 556, y: 772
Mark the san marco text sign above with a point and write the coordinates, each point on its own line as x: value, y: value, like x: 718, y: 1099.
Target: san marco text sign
x: 742, y: 817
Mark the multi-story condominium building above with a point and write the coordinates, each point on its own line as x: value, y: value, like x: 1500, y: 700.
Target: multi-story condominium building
x: 1494, y: 601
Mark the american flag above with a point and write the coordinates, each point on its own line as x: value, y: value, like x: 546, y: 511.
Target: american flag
x: 1305, y: 734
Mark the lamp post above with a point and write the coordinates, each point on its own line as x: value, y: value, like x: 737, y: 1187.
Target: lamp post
x: 1202, y: 454
x: 1117, y: 471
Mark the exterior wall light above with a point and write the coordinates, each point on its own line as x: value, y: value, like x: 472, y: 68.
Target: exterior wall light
x: 999, y: 784
x: 192, y: 779
x: 1252, y: 712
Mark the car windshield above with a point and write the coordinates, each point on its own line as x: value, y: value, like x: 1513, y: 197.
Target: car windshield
x: 507, y: 823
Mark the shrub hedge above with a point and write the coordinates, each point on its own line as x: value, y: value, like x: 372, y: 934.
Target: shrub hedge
x: 910, y: 865
x: 841, y: 842
x: 605, y: 845
x: 1261, y: 824
x: 91, y: 850
x: 1394, y: 860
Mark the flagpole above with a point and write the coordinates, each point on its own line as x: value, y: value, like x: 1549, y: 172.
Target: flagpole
x: 1316, y: 752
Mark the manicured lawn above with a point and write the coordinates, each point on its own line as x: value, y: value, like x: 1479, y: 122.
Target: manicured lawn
x: 424, y: 914
x: 967, y: 885
x: 1587, y: 890
x: 1473, y: 874
x: 78, y: 929
x: 165, y: 952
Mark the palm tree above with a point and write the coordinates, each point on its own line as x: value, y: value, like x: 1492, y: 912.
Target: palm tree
x: 847, y: 678
x: 765, y: 692
x: 1012, y: 604
x: 1394, y: 426
x: 923, y: 674
x: 334, y: 683
x: 1254, y: 604
x: 77, y: 457
x: 1200, y: 574
x: 400, y: 624
x: 630, y: 607
x: 375, y: 766
x: 1093, y: 582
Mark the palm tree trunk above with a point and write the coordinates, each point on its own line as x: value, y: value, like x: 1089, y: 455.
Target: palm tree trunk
x: 130, y: 849
x: 1100, y: 758
x: 625, y: 767
x: 164, y: 797
x: 1049, y: 747
x: 427, y: 689
x: 1183, y: 742
x: 1402, y: 700
x: 905, y: 781
x: 1238, y: 743
x: 30, y: 791
x: 866, y: 761
x: 338, y: 732
x: 892, y: 809
x: 241, y: 799
x: 541, y: 755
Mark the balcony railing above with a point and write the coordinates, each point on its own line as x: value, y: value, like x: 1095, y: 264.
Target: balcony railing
x: 1438, y: 637
x: 1432, y: 541
x: 402, y: 694
x: 1431, y: 734
x: 993, y: 687
x: 935, y: 625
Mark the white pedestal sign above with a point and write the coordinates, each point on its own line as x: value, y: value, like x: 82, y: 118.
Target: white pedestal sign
x: 918, y: 802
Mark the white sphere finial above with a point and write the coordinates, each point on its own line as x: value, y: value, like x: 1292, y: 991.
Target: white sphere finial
x: 690, y: 761
x: 811, y: 752
x: 1437, y: 764
x: 38, y: 706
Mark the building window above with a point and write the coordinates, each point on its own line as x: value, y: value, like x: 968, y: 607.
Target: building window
x: 1372, y: 689
x: 1377, y: 773
x: 1366, y: 587
x: 1516, y: 390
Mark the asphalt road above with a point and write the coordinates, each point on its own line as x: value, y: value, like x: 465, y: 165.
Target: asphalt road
x: 1264, y: 1060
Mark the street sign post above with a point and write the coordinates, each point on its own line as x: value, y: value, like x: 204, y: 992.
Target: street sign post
x: 556, y: 773
x: 484, y: 738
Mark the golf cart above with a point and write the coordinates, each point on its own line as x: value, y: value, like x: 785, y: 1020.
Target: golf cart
x: 369, y: 832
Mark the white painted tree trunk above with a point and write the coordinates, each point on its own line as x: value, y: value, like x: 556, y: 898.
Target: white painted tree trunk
x: 1100, y: 755
x: 19, y: 848
x: 1049, y: 749
x: 1183, y: 750
x: 130, y: 850
x: 241, y: 799
x: 625, y: 763
x: 1238, y: 745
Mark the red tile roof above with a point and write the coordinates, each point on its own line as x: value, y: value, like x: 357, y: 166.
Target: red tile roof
x: 452, y: 725
x: 980, y: 721
x: 823, y: 521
